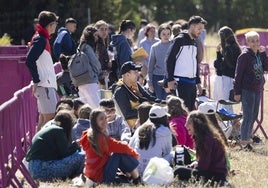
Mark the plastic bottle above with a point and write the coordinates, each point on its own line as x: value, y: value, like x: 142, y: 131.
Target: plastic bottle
x: 179, y: 155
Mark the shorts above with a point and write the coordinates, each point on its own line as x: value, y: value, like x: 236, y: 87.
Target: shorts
x: 46, y: 100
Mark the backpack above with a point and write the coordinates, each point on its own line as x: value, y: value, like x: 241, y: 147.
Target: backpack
x: 80, y: 68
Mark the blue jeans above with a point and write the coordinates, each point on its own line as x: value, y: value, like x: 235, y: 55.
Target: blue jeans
x: 159, y: 91
x: 68, y: 167
x: 126, y: 163
x: 250, y: 105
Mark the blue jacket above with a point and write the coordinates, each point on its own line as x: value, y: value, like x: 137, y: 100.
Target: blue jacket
x: 123, y: 49
x: 63, y: 43
x: 80, y: 126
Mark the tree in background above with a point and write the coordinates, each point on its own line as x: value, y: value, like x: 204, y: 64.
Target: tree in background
x: 16, y: 15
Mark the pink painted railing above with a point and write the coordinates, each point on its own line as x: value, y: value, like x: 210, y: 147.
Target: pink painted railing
x: 18, y: 118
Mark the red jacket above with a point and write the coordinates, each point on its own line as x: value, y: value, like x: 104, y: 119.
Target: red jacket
x: 94, y: 163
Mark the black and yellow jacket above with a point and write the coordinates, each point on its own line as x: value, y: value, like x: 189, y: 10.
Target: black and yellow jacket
x: 128, y: 101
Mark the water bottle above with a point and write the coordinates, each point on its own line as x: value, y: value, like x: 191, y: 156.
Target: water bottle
x: 179, y: 155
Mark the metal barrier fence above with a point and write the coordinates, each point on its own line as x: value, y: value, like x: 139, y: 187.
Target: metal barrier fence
x: 18, y: 118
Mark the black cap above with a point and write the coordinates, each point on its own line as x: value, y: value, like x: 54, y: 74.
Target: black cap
x: 196, y: 20
x: 128, y: 66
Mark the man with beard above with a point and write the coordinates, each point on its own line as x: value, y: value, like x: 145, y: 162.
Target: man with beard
x: 182, y: 63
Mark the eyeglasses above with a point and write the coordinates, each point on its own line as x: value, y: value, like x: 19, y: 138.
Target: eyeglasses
x: 109, y: 111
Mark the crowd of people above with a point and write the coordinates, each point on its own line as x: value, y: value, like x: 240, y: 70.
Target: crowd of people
x: 153, y: 104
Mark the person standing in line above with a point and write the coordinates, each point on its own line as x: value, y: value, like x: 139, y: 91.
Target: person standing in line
x: 227, y: 54
x: 88, y: 91
x: 102, y: 51
x: 29, y: 33
x: 157, y: 66
x: 143, y: 24
x: 120, y: 42
x: 40, y: 65
x: 248, y: 84
x: 182, y: 63
x: 64, y: 44
x: 147, y: 43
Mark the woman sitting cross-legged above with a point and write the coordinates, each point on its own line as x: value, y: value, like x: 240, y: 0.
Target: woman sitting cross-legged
x: 210, y: 152
x: 52, y: 155
x: 105, y: 155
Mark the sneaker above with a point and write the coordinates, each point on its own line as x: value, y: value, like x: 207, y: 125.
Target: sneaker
x: 247, y: 147
x: 78, y: 181
x: 256, y: 140
x: 137, y: 181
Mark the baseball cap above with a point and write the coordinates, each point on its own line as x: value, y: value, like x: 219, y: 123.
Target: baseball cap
x: 207, y: 108
x: 128, y: 66
x: 157, y: 112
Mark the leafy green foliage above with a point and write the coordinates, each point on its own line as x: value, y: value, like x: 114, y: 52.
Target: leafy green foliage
x: 235, y: 13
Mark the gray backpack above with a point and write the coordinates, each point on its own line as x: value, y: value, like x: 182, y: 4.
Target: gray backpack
x: 80, y: 68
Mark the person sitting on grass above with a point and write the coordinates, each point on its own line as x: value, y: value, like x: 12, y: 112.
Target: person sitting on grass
x: 52, y: 154
x: 178, y: 114
x: 152, y: 139
x: 211, y: 163
x: 104, y: 154
x: 82, y: 123
x: 117, y: 129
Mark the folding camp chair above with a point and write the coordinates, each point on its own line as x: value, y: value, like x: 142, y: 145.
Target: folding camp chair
x: 228, y: 118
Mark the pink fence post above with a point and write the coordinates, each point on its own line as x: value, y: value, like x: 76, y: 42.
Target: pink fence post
x: 260, y: 119
x: 18, y: 122
x: 17, y: 128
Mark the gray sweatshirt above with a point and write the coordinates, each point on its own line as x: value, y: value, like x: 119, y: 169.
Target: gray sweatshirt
x: 162, y: 147
x: 157, y: 65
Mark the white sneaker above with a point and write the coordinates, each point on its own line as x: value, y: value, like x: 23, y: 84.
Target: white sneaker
x: 89, y: 183
x: 77, y: 182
